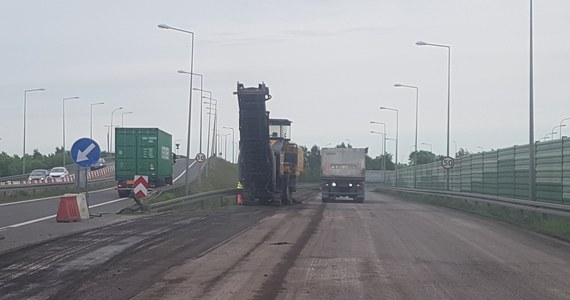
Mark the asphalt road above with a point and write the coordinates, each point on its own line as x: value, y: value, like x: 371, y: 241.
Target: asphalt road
x: 385, y: 248
x: 32, y: 221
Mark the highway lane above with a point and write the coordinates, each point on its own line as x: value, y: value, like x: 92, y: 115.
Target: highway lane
x: 16, y: 217
x: 385, y: 248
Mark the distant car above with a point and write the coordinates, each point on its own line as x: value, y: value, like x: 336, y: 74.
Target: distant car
x: 101, y: 163
x: 58, y: 172
x: 38, y: 174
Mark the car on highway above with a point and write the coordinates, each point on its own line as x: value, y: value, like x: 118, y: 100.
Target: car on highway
x: 38, y: 174
x: 58, y: 172
x: 101, y: 163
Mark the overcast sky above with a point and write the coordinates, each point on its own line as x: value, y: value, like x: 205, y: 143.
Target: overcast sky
x: 329, y: 65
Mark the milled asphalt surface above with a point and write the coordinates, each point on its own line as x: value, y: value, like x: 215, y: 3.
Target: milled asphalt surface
x: 385, y: 248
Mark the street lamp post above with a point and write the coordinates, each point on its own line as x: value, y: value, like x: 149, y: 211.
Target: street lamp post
x: 110, y: 139
x: 213, y: 112
x: 63, y: 114
x: 186, y: 177
x: 91, y: 118
x: 123, y: 117
x: 202, y: 112
x: 416, y: 135
x: 420, y: 43
x: 557, y: 126
x: 24, y: 143
x: 561, y: 126
x: 383, y: 143
x: 201, y: 89
x: 531, y: 143
x: 397, y: 134
x: 430, y: 146
x: 233, y: 143
x: 455, y: 142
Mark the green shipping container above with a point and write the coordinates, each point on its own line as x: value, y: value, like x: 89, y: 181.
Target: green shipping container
x: 142, y: 151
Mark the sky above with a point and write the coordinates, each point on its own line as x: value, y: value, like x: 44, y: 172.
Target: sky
x: 329, y: 66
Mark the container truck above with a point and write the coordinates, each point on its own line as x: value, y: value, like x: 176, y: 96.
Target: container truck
x: 143, y: 152
x: 343, y: 173
x: 269, y: 163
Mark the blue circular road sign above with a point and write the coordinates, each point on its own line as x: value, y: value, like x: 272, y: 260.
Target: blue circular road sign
x: 85, y: 152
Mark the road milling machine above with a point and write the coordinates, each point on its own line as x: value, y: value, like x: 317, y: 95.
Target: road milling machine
x: 269, y: 163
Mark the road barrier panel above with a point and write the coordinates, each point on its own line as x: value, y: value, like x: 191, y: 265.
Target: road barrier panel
x: 83, y: 207
x: 68, y: 210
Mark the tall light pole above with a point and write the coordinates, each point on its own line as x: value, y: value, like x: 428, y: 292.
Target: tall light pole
x: 233, y: 143
x: 213, y: 112
x: 63, y: 114
x: 123, y: 117
x: 383, y: 143
x: 186, y: 177
x: 531, y: 158
x: 455, y: 142
x: 201, y: 104
x: 110, y: 139
x: 420, y: 43
x: 397, y: 134
x: 24, y: 146
x: 202, y: 112
x: 416, y: 138
x: 91, y: 118
x: 561, y: 126
x: 225, y: 135
x: 430, y: 146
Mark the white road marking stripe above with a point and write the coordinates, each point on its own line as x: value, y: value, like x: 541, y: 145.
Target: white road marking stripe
x: 42, y: 199
x: 181, y: 174
x: 53, y: 216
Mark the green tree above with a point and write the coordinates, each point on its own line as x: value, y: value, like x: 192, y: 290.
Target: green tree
x: 424, y: 157
x: 462, y: 152
x: 377, y: 162
x: 312, y: 160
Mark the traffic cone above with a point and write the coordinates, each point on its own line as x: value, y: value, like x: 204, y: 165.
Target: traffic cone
x: 239, y: 199
x: 68, y: 210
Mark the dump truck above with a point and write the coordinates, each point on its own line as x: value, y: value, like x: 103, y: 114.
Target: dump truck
x: 343, y: 173
x: 269, y: 163
x: 142, y: 152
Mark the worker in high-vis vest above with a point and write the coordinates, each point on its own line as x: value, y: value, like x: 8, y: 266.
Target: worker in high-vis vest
x: 239, y: 196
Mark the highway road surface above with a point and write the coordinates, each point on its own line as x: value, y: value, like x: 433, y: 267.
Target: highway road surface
x: 385, y: 248
x: 32, y: 221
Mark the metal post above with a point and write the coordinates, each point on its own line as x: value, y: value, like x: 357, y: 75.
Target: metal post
x: 63, y: 114
x: 532, y: 175
x: 91, y: 120
x: 24, y: 143
x: 186, y: 177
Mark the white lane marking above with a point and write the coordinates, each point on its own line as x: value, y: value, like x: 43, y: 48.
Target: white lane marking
x: 53, y: 216
x: 42, y: 199
x: 179, y: 176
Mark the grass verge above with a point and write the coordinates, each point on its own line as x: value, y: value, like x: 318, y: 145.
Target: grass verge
x: 221, y: 175
x: 551, y: 225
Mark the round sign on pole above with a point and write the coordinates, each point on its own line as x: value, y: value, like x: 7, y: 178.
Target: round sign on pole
x: 85, y: 152
x: 200, y: 157
x: 447, y: 163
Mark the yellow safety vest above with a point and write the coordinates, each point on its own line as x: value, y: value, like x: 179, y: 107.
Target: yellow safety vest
x: 239, y: 186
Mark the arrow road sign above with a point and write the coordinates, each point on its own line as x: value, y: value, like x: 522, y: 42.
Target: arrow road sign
x: 85, y: 152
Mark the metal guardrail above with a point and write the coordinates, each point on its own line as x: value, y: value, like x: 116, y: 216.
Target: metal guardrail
x: 535, y: 206
x: 196, y: 198
x: 7, y: 189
